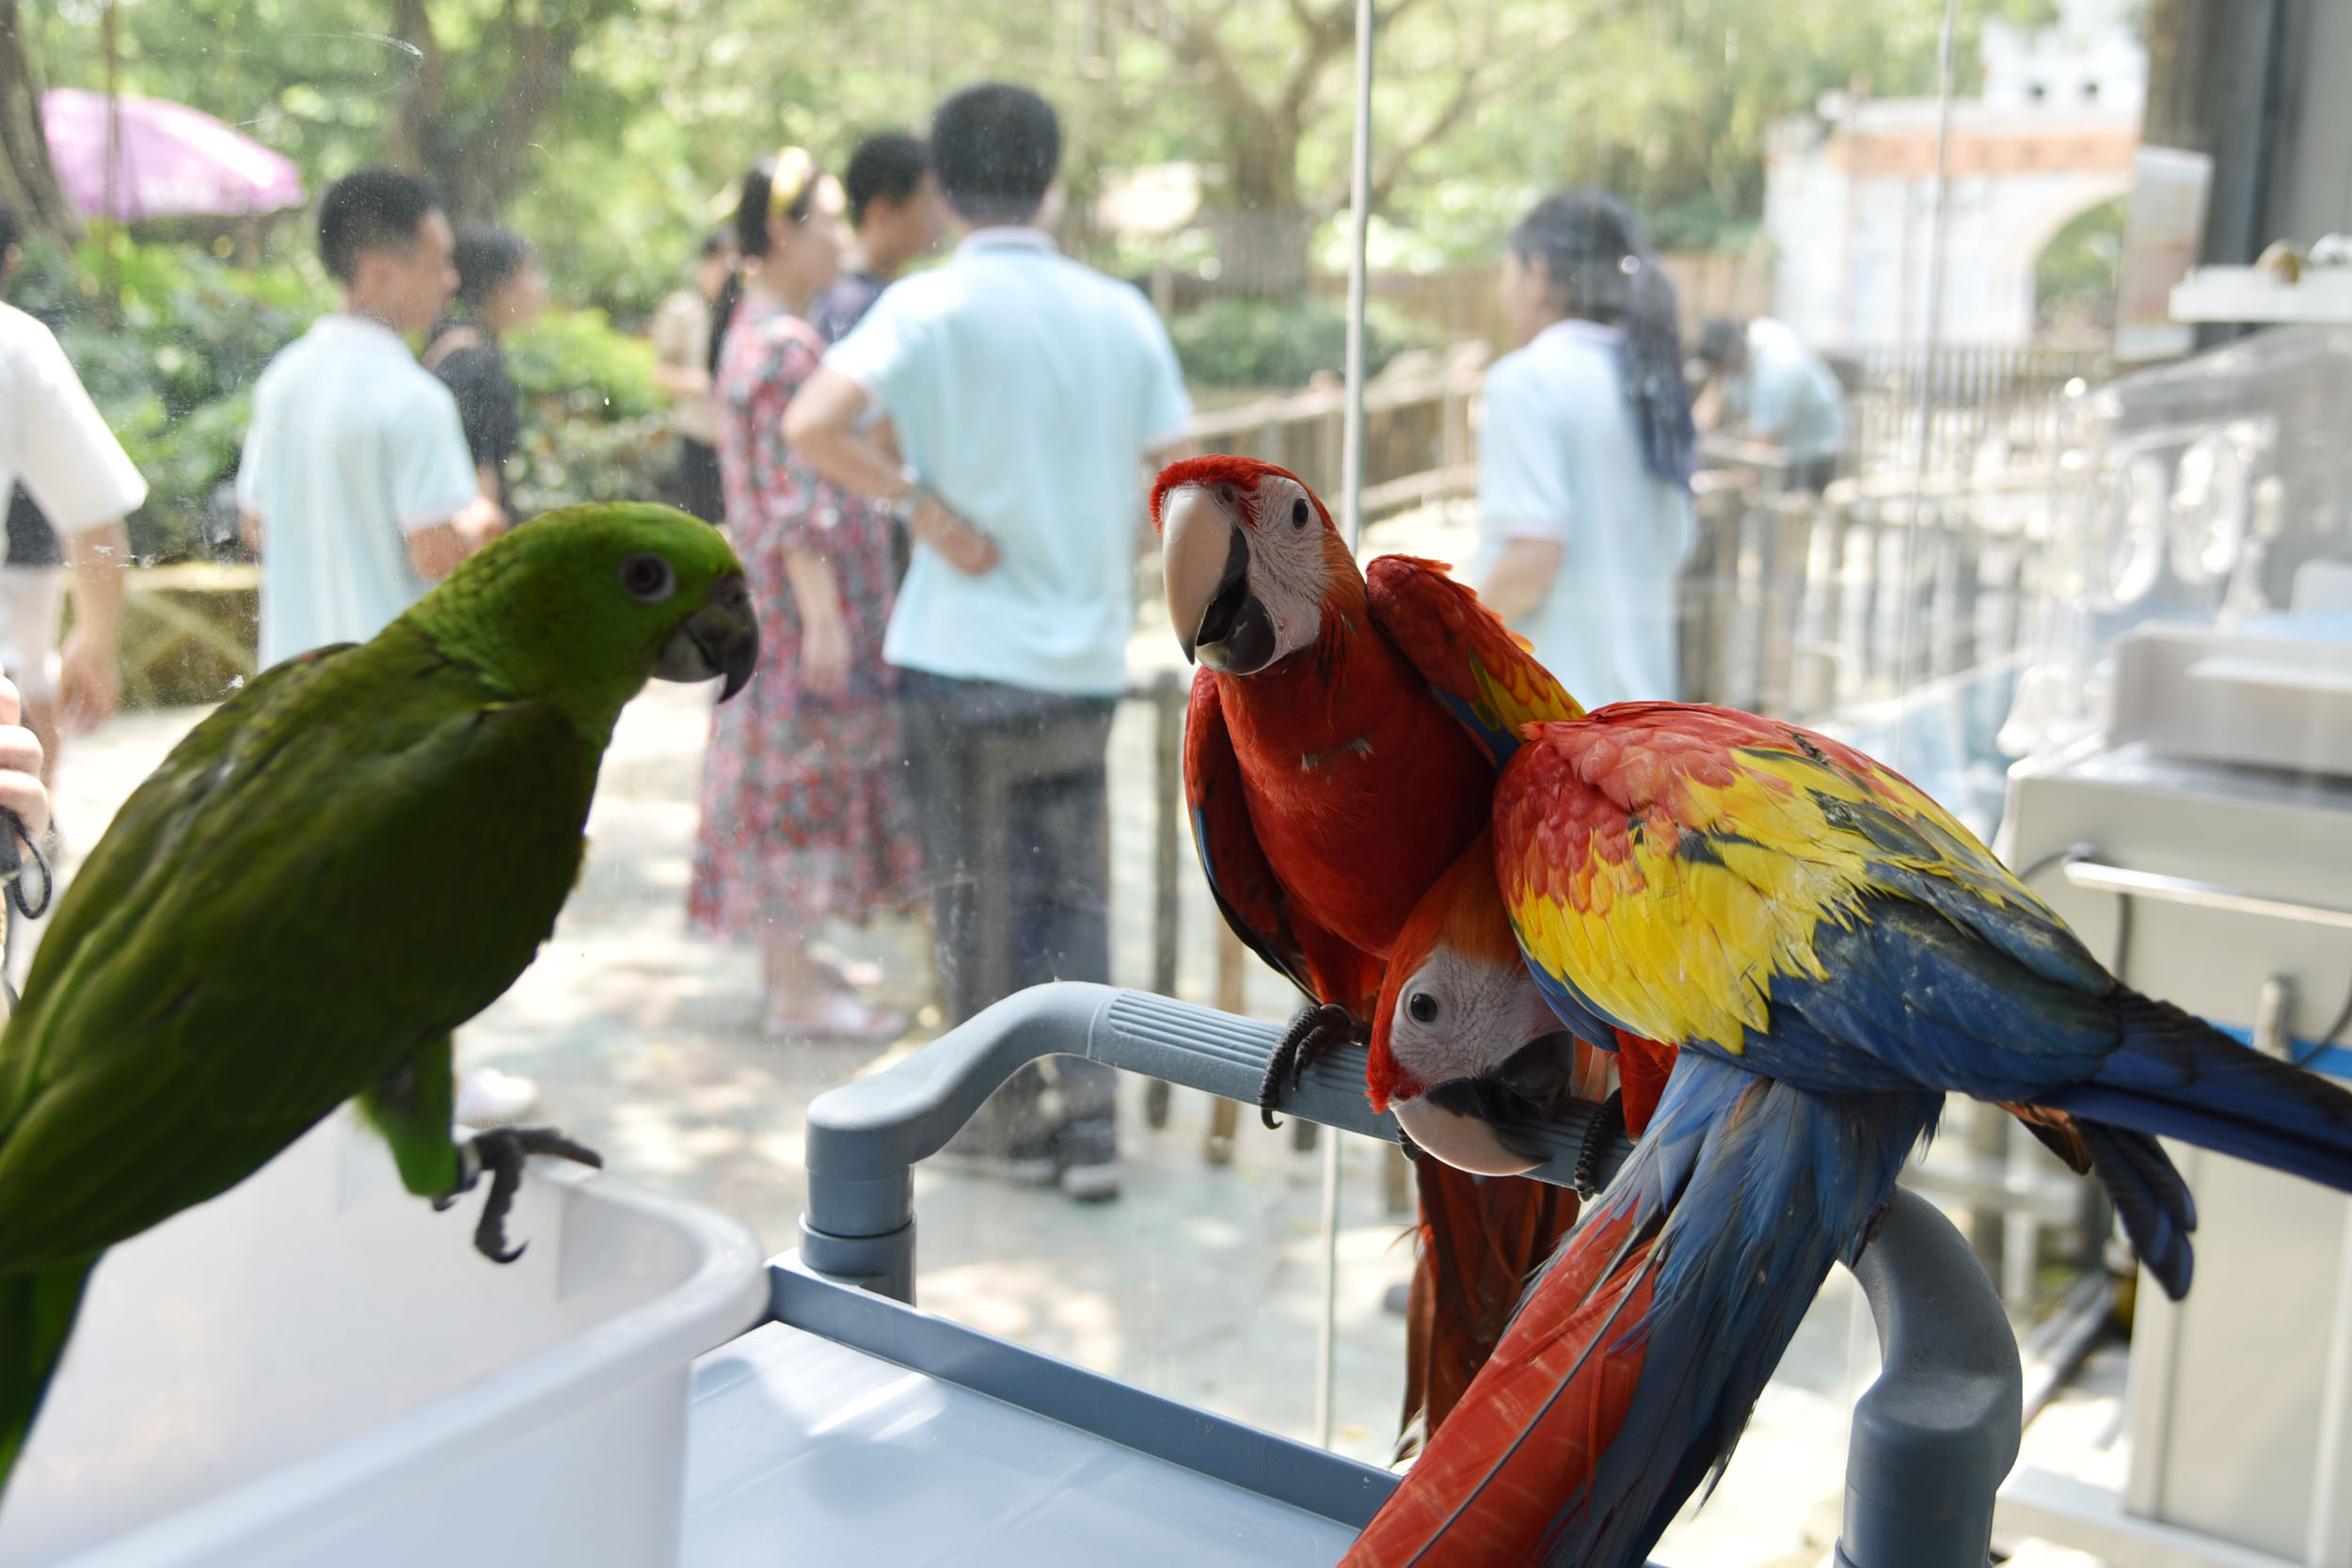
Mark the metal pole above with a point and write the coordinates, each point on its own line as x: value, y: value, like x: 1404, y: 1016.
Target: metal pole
x: 1359, y: 220
x: 1352, y: 528
x: 1932, y: 343
x: 1327, y: 1327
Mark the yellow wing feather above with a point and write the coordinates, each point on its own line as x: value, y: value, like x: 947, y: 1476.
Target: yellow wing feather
x: 1676, y: 930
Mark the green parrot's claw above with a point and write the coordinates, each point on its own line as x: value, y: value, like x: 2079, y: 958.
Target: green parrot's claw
x: 501, y: 1151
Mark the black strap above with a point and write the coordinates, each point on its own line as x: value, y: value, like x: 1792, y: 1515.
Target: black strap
x: 12, y: 835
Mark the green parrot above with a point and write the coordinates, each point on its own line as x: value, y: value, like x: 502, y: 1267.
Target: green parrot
x: 353, y: 856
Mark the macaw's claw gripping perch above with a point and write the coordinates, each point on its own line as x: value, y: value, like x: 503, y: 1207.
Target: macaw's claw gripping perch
x: 1315, y: 1030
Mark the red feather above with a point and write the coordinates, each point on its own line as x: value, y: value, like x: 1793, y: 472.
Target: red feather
x: 1360, y: 790
x: 1551, y: 1397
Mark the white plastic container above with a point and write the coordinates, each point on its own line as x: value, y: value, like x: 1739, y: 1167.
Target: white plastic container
x: 316, y: 1369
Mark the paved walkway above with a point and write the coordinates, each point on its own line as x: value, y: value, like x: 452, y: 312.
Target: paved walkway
x: 1201, y: 1282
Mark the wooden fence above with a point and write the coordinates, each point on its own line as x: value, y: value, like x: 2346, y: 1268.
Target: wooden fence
x: 1792, y: 604
x: 1462, y: 302
x: 1809, y: 607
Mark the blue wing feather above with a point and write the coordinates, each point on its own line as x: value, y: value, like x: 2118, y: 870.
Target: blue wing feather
x: 1759, y: 1188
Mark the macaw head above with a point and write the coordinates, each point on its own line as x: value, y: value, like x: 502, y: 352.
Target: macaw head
x: 1465, y: 1050
x: 1251, y: 561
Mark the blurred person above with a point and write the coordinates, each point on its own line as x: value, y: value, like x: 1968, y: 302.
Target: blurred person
x: 1765, y: 382
x: 683, y: 362
x: 894, y: 210
x: 803, y: 818
x: 500, y: 289
x: 1584, y: 456
x: 64, y: 473
x: 1026, y: 391
x: 356, y: 488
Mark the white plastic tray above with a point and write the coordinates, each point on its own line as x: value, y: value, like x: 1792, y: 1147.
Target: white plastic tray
x: 317, y: 1369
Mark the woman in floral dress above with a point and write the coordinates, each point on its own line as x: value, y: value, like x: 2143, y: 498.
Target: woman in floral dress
x: 802, y: 819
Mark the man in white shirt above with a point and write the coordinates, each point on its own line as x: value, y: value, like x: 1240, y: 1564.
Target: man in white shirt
x: 54, y: 443
x: 356, y: 487
x: 1027, y: 392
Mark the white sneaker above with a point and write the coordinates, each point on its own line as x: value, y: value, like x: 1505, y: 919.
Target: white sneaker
x: 488, y: 1098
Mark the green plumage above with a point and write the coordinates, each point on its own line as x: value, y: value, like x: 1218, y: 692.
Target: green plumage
x: 350, y: 857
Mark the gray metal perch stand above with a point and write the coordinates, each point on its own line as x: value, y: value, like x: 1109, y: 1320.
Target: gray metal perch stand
x: 1932, y: 1437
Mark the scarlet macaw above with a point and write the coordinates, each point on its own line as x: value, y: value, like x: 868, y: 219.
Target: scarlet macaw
x: 1328, y: 788
x: 1827, y: 951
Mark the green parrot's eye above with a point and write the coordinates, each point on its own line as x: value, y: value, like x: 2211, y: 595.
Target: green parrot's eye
x: 1422, y: 1006
x: 649, y: 578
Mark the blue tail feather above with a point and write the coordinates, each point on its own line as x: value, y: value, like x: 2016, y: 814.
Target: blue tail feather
x: 2173, y: 1075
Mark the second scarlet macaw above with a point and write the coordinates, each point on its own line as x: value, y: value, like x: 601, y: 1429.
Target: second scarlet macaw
x: 1329, y: 788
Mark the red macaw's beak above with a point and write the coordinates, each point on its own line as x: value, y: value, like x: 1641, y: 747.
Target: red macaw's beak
x: 1482, y: 1124
x: 1204, y: 557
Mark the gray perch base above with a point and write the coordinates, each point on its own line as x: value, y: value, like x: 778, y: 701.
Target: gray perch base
x: 1932, y: 1437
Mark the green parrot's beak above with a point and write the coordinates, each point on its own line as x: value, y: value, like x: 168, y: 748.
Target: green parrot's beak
x: 720, y: 639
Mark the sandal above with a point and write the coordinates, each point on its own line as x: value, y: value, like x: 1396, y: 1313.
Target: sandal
x: 840, y: 1018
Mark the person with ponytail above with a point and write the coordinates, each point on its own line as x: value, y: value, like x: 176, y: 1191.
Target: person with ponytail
x: 804, y: 819
x: 1584, y: 456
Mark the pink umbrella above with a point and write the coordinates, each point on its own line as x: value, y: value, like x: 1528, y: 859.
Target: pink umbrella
x: 170, y: 159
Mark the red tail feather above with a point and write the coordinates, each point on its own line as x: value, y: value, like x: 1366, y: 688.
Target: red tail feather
x: 1550, y: 1400
x: 1480, y: 1240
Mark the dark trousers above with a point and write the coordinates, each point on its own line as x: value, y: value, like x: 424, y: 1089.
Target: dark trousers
x: 698, y: 479
x: 1009, y: 794
x: 1813, y: 474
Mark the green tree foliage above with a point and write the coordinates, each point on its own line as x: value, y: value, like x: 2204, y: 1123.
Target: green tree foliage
x: 1241, y: 342
x: 609, y: 131
x: 2074, y: 281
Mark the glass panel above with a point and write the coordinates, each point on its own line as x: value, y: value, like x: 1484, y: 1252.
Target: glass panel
x: 1980, y: 477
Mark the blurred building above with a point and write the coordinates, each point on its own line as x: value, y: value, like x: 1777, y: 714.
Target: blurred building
x: 1849, y: 192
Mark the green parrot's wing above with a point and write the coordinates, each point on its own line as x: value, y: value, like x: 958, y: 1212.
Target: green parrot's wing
x: 135, y: 838
x: 368, y: 857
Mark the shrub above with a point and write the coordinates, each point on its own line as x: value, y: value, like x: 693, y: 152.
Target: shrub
x: 573, y: 365
x: 1241, y: 342
x: 173, y: 370
x: 593, y: 427
x: 174, y: 375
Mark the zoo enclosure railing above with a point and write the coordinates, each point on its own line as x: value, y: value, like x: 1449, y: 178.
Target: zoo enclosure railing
x: 1903, y: 590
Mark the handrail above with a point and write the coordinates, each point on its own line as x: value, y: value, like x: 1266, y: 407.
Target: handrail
x: 1381, y: 394
x: 864, y: 1138
x: 1935, y: 1434
x: 1932, y: 1437
x: 2103, y: 878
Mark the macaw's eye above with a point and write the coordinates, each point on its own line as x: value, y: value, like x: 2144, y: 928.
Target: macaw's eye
x: 648, y: 578
x: 1421, y: 1007
x: 1300, y: 512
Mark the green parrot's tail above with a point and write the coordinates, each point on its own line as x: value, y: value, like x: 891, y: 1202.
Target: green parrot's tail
x: 36, y: 1317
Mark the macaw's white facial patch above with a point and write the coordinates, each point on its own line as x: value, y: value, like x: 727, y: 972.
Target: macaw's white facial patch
x: 1460, y: 1017
x: 1289, y: 571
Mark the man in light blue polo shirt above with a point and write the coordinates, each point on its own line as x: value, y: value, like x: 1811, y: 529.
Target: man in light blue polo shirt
x: 1028, y: 393
x: 1772, y: 386
x: 355, y: 485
